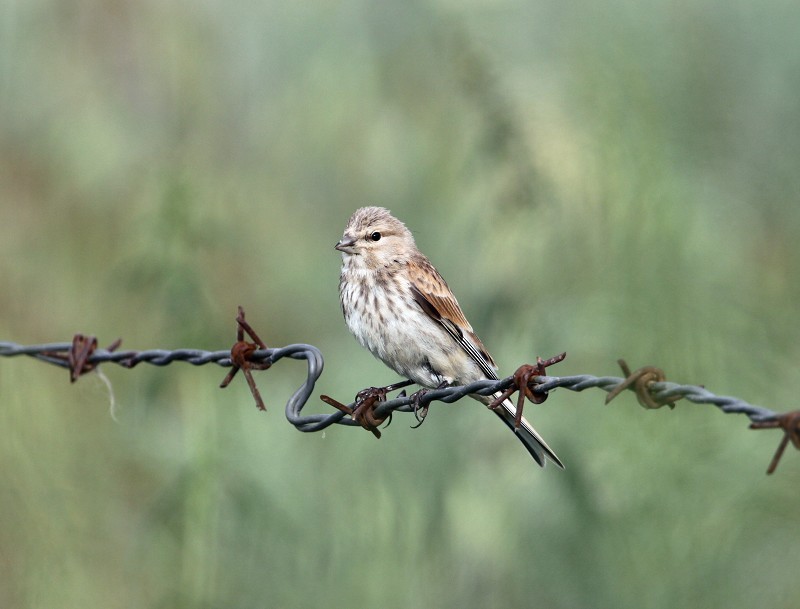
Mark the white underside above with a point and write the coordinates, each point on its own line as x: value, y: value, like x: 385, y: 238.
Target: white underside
x: 408, y: 341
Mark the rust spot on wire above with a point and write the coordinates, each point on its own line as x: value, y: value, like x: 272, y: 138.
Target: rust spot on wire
x: 526, y: 385
x: 641, y: 382
x: 790, y: 423
x: 241, y: 354
x: 77, y: 356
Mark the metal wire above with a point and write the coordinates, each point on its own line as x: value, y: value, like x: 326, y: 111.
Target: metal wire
x: 55, y: 353
x: 371, y: 407
x: 661, y: 391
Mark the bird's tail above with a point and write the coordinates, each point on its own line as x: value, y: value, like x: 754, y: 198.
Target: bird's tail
x: 532, y: 441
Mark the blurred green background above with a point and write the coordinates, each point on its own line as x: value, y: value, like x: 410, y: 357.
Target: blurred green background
x: 614, y: 179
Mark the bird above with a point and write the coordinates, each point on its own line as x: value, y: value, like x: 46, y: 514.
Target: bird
x: 399, y: 307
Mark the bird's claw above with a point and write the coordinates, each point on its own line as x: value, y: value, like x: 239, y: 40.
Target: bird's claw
x: 420, y: 411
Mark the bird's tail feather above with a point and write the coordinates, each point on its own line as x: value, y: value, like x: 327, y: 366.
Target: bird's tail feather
x: 532, y: 441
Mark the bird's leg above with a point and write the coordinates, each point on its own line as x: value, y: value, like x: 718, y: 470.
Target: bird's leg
x: 420, y: 412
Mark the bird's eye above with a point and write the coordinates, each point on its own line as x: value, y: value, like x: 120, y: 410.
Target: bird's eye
x: 376, y: 236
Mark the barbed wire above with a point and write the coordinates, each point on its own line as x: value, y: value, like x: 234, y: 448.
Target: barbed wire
x: 58, y: 354
x: 372, y: 406
x: 55, y: 353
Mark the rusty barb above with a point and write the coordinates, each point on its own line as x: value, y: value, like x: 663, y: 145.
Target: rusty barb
x: 241, y: 358
x: 642, y: 382
x: 364, y: 409
x: 789, y: 422
x: 79, y: 353
x: 653, y: 391
x: 525, y: 382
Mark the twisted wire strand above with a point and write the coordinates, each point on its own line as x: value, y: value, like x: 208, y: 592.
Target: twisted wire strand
x: 662, y: 391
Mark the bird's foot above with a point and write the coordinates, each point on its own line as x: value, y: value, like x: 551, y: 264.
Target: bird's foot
x: 420, y: 409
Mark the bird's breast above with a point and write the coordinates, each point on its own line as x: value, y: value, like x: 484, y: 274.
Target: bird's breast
x: 381, y: 313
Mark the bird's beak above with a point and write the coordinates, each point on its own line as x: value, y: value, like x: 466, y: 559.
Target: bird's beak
x: 346, y: 246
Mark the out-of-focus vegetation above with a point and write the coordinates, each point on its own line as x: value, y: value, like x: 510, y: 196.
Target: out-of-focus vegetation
x: 610, y: 179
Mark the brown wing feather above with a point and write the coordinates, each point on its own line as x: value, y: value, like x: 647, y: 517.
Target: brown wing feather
x: 437, y: 301
x: 435, y: 298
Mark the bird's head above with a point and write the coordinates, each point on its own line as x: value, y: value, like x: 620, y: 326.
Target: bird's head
x: 377, y: 237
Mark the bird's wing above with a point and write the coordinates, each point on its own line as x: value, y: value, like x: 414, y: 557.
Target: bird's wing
x: 434, y: 297
x: 437, y: 301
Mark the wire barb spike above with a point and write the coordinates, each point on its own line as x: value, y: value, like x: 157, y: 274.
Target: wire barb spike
x: 641, y: 383
x: 241, y: 358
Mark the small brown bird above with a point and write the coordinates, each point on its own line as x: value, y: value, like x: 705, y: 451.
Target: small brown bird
x: 399, y: 307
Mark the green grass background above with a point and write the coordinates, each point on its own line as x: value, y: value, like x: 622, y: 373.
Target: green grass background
x: 616, y: 179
